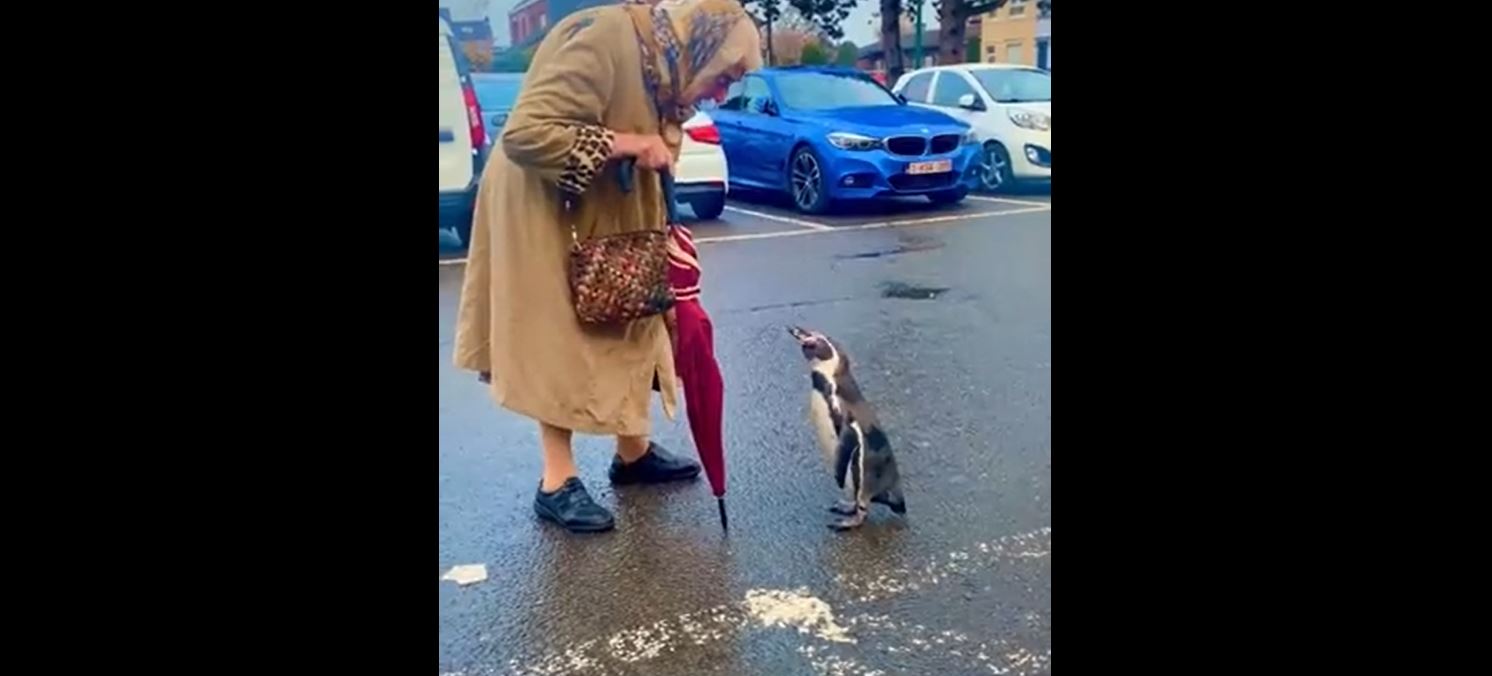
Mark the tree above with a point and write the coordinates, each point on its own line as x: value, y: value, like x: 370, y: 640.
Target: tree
x: 814, y: 54
x: 792, y: 45
x: 477, y: 54
x: 953, y: 19
x: 847, y: 54
x: 891, y: 38
x: 512, y: 60
x: 826, y: 15
x: 766, y: 13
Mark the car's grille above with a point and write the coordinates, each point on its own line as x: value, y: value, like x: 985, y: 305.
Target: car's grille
x: 923, y: 181
x: 906, y: 145
x: 945, y: 143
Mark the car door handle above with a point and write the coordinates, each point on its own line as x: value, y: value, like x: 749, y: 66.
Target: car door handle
x: 447, y: 136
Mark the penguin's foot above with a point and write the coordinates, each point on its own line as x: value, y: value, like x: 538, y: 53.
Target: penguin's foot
x: 853, y: 521
x: 843, y: 507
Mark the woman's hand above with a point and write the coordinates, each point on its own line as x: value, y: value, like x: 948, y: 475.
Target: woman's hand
x: 649, y: 149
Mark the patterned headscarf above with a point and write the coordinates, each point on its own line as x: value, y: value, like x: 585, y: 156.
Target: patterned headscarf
x: 685, y: 41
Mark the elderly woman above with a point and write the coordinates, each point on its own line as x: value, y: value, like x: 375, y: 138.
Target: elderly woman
x: 607, y: 84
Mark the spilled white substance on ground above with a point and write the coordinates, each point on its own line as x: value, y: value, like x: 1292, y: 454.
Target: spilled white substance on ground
x: 1033, y: 545
x: 809, y: 614
x: 831, y: 639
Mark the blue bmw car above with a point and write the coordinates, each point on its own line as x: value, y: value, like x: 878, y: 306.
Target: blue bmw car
x: 826, y: 134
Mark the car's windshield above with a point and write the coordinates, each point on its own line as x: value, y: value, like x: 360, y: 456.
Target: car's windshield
x: 1015, y: 85
x: 823, y: 91
x: 497, y: 91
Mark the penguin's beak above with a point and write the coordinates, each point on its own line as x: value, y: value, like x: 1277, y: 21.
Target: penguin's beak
x: 802, y: 335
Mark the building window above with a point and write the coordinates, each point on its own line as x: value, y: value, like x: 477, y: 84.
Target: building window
x: 1013, y: 53
x: 1043, y: 54
x: 543, y: 20
x: 989, y: 49
x: 1017, y: 7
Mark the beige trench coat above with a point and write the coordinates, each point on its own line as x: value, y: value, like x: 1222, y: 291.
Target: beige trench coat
x: 516, y: 319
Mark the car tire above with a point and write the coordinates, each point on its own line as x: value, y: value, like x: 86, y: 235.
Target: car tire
x: 996, y: 174
x: 948, y: 196
x: 805, y: 182
x: 708, y: 208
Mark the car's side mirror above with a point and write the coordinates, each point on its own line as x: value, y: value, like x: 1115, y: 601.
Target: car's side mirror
x: 769, y: 107
x: 900, y: 99
x: 970, y: 102
x: 499, y: 119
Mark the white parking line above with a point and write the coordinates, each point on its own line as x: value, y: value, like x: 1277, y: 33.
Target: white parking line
x: 1004, y: 200
x: 812, y: 228
x: 781, y: 219
x: 911, y: 222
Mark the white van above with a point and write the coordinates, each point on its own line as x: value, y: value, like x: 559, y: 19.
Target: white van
x: 463, y: 142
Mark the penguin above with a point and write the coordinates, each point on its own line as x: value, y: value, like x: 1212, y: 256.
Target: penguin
x: 853, y: 443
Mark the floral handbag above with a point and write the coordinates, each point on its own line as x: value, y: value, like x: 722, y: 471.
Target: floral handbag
x: 622, y: 277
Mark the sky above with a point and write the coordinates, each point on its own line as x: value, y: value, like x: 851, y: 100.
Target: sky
x: 861, y: 27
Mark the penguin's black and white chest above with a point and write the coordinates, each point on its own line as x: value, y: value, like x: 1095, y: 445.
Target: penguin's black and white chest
x: 826, y: 412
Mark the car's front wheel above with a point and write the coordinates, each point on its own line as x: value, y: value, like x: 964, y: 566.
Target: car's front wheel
x: 996, y: 174
x: 806, y: 182
x: 708, y: 208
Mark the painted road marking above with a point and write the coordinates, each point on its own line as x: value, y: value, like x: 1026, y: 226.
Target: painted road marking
x: 780, y: 219
x: 811, y: 228
x: 1006, y: 200
x: 906, y: 223
x: 826, y: 634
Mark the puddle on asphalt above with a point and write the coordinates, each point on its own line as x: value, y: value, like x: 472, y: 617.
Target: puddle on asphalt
x: 908, y: 245
x: 910, y: 291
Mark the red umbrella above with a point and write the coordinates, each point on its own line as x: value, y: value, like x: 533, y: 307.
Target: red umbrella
x: 694, y: 351
x: 694, y: 346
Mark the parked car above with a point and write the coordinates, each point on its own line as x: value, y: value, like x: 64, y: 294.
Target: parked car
x: 701, y: 177
x: 496, y: 94
x: 463, y: 139
x: 1009, y: 106
x: 823, y: 134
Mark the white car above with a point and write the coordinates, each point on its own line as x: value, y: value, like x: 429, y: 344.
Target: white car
x: 463, y: 140
x: 700, y: 177
x: 1008, y: 105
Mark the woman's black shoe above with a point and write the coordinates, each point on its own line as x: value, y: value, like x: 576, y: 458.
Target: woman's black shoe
x: 571, y: 506
x: 655, y: 466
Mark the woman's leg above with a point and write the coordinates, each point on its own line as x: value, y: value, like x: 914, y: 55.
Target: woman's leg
x: 629, y: 449
x: 559, y: 459
x: 560, y: 500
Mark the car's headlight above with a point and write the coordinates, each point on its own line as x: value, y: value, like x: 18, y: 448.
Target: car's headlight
x: 847, y: 141
x: 971, y: 138
x: 1030, y: 119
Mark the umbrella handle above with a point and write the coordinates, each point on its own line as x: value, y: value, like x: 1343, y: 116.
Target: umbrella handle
x: 724, y: 522
x: 626, y: 177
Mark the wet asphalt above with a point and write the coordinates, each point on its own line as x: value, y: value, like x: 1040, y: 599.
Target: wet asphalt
x: 946, y: 313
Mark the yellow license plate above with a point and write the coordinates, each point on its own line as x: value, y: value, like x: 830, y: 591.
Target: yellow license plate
x: 934, y: 167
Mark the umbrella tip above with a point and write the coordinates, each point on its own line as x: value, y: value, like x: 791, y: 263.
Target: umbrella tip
x: 724, y: 522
